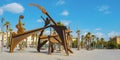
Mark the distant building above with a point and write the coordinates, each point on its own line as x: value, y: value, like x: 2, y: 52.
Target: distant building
x: 4, y: 37
x: 116, y: 39
x: 29, y: 39
x: 73, y: 39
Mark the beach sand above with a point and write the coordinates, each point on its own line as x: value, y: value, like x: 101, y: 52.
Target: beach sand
x: 32, y: 54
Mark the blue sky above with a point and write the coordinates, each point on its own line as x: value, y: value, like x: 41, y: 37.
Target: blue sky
x: 100, y: 17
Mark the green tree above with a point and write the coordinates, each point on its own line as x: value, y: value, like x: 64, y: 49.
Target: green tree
x: 33, y: 40
x: 97, y: 42
x: 60, y: 24
x: 102, y: 42
x: 78, y: 39
x: 10, y: 37
x: 82, y: 41
x: 112, y: 45
x: 74, y: 43
x: 7, y: 24
x: 2, y: 44
x: 88, y: 40
x: 93, y: 38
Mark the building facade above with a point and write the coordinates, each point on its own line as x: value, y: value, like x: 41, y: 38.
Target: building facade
x: 116, y: 39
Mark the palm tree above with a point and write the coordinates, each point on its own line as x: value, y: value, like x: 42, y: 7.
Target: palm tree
x: 82, y: 41
x: 78, y: 39
x: 7, y: 24
x: 2, y: 43
x: 102, y: 42
x: 97, y: 42
x: 60, y: 24
x: 93, y: 37
x: 26, y: 40
x: 36, y: 39
x: 33, y: 38
x: 10, y: 29
x: 88, y: 39
x: 70, y: 41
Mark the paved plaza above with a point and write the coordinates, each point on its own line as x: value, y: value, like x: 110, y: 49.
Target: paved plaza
x: 32, y: 54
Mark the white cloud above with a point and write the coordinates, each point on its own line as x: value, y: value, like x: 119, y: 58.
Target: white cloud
x: 39, y: 20
x: 113, y: 33
x: 12, y: 7
x: 47, y: 32
x: 15, y: 30
x: 100, y: 35
x: 1, y: 11
x: 66, y: 22
x: 65, y: 13
x: 104, y: 9
x: 74, y: 35
x: 98, y: 29
x: 60, y: 2
x: 107, y: 12
x: 84, y: 33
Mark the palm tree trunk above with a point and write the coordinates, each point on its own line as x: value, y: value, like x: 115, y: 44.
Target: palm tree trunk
x: 89, y: 44
x: 7, y: 40
x: 36, y: 39
x: 59, y: 46
x: 93, y: 44
x: 26, y: 42
x: 33, y: 42
x: 78, y: 44
x: 2, y: 42
x: 78, y: 40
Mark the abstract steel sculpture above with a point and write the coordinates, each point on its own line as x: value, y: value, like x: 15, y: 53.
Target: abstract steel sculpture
x: 62, y: 36
x: 19, y: 26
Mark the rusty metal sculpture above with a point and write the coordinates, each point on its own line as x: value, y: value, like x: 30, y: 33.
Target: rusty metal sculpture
x: 61, y: 37
x: 19, y: 26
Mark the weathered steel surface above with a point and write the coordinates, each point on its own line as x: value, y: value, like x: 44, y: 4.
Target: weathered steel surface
x: 62, y: 35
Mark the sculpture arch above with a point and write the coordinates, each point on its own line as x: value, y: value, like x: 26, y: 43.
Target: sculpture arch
x: 62, y: 33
